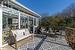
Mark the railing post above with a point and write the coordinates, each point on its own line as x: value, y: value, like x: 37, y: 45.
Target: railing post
x: 15, y: 42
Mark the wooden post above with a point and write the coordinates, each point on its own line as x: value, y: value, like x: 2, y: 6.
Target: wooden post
x: 15, y: 42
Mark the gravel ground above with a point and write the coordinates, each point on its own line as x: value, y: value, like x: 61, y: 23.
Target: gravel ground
x: 43, y: 42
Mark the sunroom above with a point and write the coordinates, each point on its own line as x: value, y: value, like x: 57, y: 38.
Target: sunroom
x: 17, y: 16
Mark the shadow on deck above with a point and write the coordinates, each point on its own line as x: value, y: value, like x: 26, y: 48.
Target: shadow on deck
x: 40, y: 43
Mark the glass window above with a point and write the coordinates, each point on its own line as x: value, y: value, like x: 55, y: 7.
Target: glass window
x: 4, y: 21
x: 35, y: 21
x: 30, y: 21
x: 7, y: 20
x: 10, y: 20
x: 24, y: 22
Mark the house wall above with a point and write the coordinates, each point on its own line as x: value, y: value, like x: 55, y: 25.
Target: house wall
x: 20, y: 32
x: 11, y: 13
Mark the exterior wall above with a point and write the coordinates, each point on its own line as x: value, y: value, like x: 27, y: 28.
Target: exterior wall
x: 19, y: 16
x: 20, y: 32
x: 0, y: 26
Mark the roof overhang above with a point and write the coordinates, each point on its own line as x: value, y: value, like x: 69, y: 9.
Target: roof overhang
x: 21, y: 7
x: 24, y: 8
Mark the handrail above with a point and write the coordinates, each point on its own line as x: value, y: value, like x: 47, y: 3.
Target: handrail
x: 70, y: 28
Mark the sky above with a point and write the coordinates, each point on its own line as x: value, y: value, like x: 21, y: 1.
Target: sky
x: 48, y: 7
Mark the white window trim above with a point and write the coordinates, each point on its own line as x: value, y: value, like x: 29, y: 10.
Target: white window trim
x: 1, y: 25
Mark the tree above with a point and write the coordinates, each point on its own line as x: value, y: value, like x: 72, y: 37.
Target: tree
x: 51, y: 21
